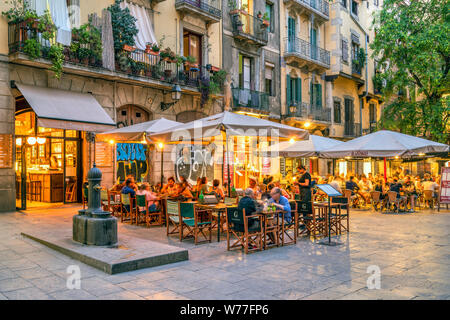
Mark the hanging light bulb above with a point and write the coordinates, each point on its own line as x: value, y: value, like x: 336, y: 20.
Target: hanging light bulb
x: 41, y: 140
x: 19, y: 142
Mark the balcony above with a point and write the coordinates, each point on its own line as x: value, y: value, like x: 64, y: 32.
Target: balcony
x: 208, y: 10
x: 250, y: 100
x: 356, y: 69
x: 321, y: 8
x: 138, y: 63
x: 352, y: 130
x: 131, y: 66
x: 304, y: 54
x: 305, y: 111
x: 249, y: 29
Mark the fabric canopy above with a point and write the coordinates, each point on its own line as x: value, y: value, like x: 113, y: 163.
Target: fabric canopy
x: 143, y: 24
x: 384, y: 144
x: 62, y: 109
x: 138, y: 131
x: 307, y: 148
x: 234, y: 125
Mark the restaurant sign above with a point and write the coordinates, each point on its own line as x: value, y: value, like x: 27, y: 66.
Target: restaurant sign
x: 445, y: 186
x: 131, y: 160
x: 360, y: 153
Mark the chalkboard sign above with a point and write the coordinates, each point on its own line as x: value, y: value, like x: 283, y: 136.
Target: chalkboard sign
x: 445, y: 186
x: 103, y: 154
x: 5, y: 151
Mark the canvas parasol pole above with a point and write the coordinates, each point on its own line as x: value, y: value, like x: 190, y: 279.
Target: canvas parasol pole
x: 385, y: 176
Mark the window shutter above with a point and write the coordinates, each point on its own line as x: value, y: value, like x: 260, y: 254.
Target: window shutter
x: 299, y: 90
x: 344, y: 50
x: 311, y: 94
x: 319, y: 95
x: 288, y: 90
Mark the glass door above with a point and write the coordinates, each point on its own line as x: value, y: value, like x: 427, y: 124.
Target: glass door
x: 21, y: 181
x: 71, y: 168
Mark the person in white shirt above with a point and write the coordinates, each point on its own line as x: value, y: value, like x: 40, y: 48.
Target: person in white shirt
x: 430, y: 185
x: 334, y: 183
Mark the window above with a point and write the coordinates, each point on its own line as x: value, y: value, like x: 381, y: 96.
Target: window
x: 354, y: 7
x: 294, y: 90
x: 372, y: 113
x: 269, y: 81
x: 192, y: 46
x: 270, y: 14
x: 344, y: 45
x: 316, y: 95
x: 129, y: 115
x: 344, y: 3
x: 337, y: 111
x: 245, y: 72
x: 355, y: 50
x: 376, y: 2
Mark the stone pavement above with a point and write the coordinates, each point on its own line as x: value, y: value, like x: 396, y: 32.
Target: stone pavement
x: 412, y: 252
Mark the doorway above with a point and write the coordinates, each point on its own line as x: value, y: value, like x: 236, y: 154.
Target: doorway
x: 48, y: 164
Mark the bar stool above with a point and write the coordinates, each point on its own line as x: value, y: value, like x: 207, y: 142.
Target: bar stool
x: 36, y: 190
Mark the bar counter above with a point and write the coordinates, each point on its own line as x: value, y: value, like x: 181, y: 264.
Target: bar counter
x: 52, y: 184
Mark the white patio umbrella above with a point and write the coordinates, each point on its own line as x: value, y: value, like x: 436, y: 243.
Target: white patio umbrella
x: 384, y: 144
x: 305, y: 148
x: 233, y: 125
x: 137, y: 132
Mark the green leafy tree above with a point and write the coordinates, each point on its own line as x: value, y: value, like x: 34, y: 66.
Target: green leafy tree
x: 413, y: 50
x: 123, y: 25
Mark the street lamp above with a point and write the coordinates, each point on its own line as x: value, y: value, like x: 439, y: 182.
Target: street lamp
x: 161, y: 147
x: 176, y: 96
x: 292, y: 108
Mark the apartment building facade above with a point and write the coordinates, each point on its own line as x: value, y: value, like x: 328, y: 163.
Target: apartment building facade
x: 44, y: 153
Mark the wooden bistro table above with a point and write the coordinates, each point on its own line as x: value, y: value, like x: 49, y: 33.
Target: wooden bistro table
x: 220, y: 208
x: 325, y: 206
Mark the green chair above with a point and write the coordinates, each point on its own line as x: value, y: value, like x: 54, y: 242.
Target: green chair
x: 237, y: 225
x: 194, y: 222
x: 172, y: 217
x: 126, y: 207
x: 142, y: 211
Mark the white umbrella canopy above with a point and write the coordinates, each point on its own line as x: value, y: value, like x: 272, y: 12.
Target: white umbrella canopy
x: 384, y: 144
x: 234, y: 125
x: 137, y: 132
x: 306, y: 148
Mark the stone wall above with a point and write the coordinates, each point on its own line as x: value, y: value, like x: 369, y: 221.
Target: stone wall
x: 7, y: 176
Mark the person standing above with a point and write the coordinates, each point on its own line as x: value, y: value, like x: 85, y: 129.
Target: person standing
x: 304, y: 183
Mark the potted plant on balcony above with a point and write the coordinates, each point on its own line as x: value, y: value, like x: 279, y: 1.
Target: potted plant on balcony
x: 124, y: 62
x: 233, y: 7
x: 56, y: 55
x: 46, y: 26
x: 191, y: 62
x: 84, y: 55
x: 32, y: 48
x: 266, y: 20
x: 19, y: 11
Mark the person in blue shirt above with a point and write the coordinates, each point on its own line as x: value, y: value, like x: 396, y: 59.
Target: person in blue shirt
x: 281, y: 203
x: 352, y: 185
x: 128, y: 189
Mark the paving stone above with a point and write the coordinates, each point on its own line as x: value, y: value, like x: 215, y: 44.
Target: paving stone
x: 7, y: 274
x: 27, y: 294
x: 75, y: 294
x: 123, y: 295
x: 99, y: 287
x: 167, y: 295
x: 50, y: 284
x: 33, y: 273
x: 13, y: 284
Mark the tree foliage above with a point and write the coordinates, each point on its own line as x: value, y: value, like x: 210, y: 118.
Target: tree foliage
x: 413, y: 50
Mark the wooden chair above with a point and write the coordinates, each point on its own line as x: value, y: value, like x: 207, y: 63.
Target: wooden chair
x: 173, y: 217
x: 126, y: 207
x: 271, y: 228
x: 237, y: 225
x: 288, y: 234
x: 343, y: 214
x: 392, y: 199
x: 428, y: 199
x: 71, y: 192
x: 193, y: 222
x: 142, y: 211
x: 315, y: 222
x: 376, y: 200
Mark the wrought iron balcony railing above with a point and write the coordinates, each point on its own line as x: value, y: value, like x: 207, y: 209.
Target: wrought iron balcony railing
x: 356, y: 69
x: 147, y: 65
x: 247, y: 27
x: 307, y: 51
x: 250, y: 99
x: 320, y: 114
x: 322, y: 6
x: 209, y: 7
x: 352, y: 129
x: 306, y: 111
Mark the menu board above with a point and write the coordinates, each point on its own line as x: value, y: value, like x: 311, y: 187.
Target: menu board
x: 103, y: 154
x: 445, y: 186
x: 5, y: 151
x: 329, y: 190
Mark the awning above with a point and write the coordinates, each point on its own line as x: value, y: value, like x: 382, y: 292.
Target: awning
x: 62, y: 109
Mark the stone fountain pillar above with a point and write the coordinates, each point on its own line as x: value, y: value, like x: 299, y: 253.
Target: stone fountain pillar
x: 93, y: 226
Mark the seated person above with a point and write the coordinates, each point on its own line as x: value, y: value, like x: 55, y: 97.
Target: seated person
x: 254, y: 187
x: 280, y: 202
x: 430, y: 185
x: 284, y: 192
x: 334, y: 183
x: 185, y: 182
x: 151, y: 197
x: 248, y: 203
x: 170, y: 188
x: 218, y: 190
x: 128, y: 190
x: 203, y: 187
x: 183, y: 191
x: 352, y: 185
x: 397, y: 187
